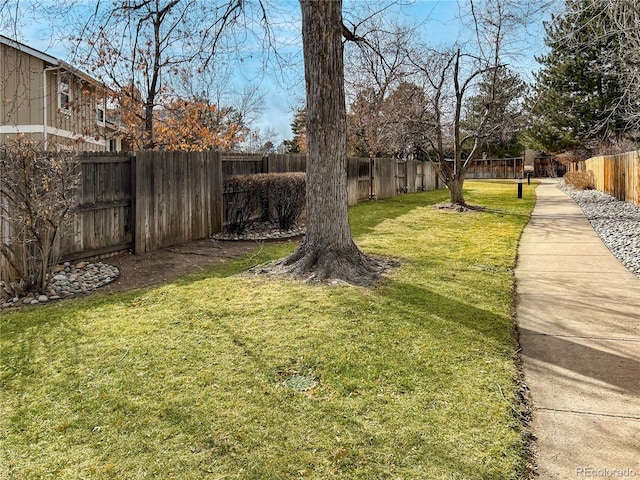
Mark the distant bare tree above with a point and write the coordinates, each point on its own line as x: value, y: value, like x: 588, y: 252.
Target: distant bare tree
x: 374, y: 67
x: 145, y: 49
x: 453, y: 78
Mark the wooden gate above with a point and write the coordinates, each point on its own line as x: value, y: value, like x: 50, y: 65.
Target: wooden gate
x: 401, y: 176
x: 365, y: 179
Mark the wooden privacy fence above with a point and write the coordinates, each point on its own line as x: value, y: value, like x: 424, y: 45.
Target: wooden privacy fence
x: 367, y: 178
x: 103, y: 221
x: 144, y: 203
x: 157, y: 199
x: 617, y: 175
x: 496, y: 168
x: 178, y: 198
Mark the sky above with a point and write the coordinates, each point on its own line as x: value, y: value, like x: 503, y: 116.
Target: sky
x: 437, y: 20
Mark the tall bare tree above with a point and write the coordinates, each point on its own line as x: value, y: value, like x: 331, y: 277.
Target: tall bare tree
x: 146, y: 49
x: 447, y: 83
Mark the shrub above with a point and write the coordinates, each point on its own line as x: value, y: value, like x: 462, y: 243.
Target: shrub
x: 287, y: 192
x: 277, y: 196
x: 580, y: 180
x: 241, y: 202
x: 37, y: 195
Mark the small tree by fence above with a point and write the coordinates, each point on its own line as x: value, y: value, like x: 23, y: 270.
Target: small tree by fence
x: 37, y: 193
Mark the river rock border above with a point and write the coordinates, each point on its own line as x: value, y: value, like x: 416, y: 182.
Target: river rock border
x: 83, y: 277
x: 70, y: 280
x: 264, y: 231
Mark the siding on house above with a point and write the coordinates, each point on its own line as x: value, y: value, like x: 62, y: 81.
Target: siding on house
x: 23, y: 103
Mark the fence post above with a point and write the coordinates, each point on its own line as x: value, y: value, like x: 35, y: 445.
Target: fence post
x: 372, y: 193
x: 134, y: 192
x: 139, y: 219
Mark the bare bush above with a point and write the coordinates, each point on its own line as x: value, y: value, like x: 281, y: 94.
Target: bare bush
x: 268, y: 196
x: 287, y: 193
x: 241, y: 202
x: 621, y: 146
x: 37, y: 195
x: 580, y: 180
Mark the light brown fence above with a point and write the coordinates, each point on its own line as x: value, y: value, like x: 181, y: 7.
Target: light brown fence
x: 103, y: 221
x: 617, y: 175
x: 426, y: 177
x: 278, y: 163
x: 244, y: 164
x: 367, y: 178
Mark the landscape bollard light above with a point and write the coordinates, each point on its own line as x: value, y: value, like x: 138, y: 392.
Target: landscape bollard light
x: 528, y: 178
x: 519, y: 187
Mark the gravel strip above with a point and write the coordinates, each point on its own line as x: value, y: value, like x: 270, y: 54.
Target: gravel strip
x: 264, y: 231
x: 83, y: 277
x: 616, y: 222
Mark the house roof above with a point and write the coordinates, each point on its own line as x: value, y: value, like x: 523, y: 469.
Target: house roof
x: 31, y: 51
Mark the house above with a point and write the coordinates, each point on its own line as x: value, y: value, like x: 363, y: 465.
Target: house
x: 51, y: 101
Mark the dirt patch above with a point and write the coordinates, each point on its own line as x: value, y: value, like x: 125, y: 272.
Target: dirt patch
x: 153, y: 268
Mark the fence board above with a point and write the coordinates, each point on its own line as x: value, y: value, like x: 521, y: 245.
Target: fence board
x: 243, y: 165
x: 401, y: 176
x: 279, y: 163
x: 384, y: 181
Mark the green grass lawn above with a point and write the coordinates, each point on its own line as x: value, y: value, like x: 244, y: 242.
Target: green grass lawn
x: 225, y: 375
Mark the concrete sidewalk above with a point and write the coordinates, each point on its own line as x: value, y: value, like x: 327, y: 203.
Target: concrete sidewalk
x: 578, y: 312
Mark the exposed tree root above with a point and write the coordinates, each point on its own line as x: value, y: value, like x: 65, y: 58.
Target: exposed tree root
x: 458, y: 207
x: 350, y: 266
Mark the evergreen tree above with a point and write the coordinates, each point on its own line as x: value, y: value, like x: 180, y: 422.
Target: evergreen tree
x: 578, y: 88
x: 505, y: 91
x: 299, y: 128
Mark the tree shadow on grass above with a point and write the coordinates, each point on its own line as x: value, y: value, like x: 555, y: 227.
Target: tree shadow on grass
x: 365, y: 217
x: 419, y: 305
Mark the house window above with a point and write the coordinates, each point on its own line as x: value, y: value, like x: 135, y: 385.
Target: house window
x: 100, y: 118
x: 64, y: 95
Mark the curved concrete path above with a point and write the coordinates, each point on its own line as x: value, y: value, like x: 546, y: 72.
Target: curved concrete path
x: 578, y: 312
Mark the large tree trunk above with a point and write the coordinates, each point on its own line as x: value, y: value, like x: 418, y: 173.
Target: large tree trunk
x: 327, y: 251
